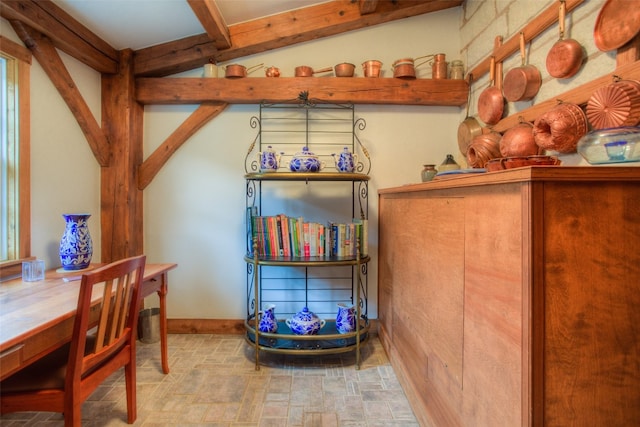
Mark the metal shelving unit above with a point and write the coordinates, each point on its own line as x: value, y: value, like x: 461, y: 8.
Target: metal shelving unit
x: 317, y: 282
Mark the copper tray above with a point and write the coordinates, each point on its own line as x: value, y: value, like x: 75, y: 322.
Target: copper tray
x: 618, y: 22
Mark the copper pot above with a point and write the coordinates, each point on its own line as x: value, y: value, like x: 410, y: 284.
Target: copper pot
x: 522, y: 83
x: 566, y: 55
x: 344, y: 69
x: 272, y: 72
x: 371, y: 68
x: 483, y: 148
x: 405, y: 68
x: 305, y: 71
x: 237, y: 71
x: 561, y: 128
x: 519, y: 141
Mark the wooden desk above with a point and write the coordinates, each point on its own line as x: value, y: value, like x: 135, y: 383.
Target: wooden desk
x: 37, y: 317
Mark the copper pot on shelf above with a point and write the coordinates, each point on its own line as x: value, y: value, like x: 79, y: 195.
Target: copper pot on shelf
x: 237, y: 71
x: 405, y: 68
x: 371, y: 68
x: 306, y: 71
x: 344, y: 69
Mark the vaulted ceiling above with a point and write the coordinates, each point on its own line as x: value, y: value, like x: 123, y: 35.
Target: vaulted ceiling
x: 71, y: 28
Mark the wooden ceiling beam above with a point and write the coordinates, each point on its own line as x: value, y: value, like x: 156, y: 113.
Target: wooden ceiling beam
x: 47, y: 55
x: 212, y: 21
x: 276, y: 31
x: 368, y: 6
x: 67, y: 34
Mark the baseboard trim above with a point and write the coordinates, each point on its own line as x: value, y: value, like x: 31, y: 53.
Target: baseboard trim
x: 221, y: 326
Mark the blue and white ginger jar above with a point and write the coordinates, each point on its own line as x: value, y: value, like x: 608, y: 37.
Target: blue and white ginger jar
x: 76, y: 246
x: 305, y: 161
x: 305, y: 322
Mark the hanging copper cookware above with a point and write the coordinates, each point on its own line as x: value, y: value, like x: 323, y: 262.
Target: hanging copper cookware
x: 560, y: 128
x: 305, y: 71
x: 491, y: 101
x: 617, y: 23
x: 566, y: 55
x: 237, y: 71
x: 469, y: 127
x: 615, y: 105
x: 522, y: 83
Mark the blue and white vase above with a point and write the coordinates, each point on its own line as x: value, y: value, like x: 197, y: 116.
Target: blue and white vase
x: 346, y: 318
x: 76, y: 247
x: 268, y: 322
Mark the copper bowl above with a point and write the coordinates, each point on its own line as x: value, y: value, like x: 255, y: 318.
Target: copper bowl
x: 521, y: 161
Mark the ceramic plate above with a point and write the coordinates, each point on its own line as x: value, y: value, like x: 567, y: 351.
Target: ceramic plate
x: 461, y: 171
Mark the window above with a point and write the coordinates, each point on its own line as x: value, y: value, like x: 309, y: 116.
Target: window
x: 14, y: 155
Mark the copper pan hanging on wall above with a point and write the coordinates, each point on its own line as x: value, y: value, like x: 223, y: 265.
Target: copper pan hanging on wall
x: 491, y: 101
x: 522, y: 83
x: 617, y: 23
x: 566, y: 55
x: 469, y: 128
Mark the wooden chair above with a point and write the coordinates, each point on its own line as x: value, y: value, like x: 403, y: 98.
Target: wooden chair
x: 103, y: 341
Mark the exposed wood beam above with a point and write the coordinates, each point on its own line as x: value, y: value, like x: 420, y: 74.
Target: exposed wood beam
x: 121, y: 202
x: 252, y: 90
x: 47, y: 55
x: 161, y: 155
x: 209, y: 16
x: 368, y: 6
x: 276, y: 31
x: 67, y: 34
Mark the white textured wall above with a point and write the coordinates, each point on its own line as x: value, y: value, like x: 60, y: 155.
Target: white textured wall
x: 483, y: 20
x: 65, y: 176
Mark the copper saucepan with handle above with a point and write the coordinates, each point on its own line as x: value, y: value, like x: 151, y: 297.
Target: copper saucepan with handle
x: 237, y: 71
x: 491, y: 101
x: 566, y: 55
x: 522, y: 83
x: 306, y: 71
x: 469, y: 128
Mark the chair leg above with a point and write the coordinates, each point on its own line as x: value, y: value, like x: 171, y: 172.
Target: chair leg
x: 73, y: 416
x: 130, y: 380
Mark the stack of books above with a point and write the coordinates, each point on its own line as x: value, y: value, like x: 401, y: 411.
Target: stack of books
x: 289, y: 237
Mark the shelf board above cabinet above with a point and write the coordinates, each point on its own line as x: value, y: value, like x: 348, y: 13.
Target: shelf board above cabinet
x: 253, y: 90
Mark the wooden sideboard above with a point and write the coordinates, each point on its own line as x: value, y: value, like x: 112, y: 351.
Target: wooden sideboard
x: 513, y: 297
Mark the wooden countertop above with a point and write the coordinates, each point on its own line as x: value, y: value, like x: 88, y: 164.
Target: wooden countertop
x: 524, y: 174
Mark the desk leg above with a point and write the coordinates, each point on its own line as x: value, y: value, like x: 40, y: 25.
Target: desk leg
x: 162, y: 293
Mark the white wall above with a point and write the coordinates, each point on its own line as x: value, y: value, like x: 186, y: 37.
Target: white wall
x: 194, y: 208
x: 65, y: 176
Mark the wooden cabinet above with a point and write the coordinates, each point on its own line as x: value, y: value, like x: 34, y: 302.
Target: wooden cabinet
x: 512, y: 298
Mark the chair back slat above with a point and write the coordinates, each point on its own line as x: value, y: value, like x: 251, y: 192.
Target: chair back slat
x: 118, y: 315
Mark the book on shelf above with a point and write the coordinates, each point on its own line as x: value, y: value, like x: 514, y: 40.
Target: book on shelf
x: 283, y: 236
